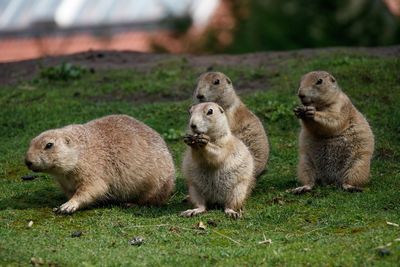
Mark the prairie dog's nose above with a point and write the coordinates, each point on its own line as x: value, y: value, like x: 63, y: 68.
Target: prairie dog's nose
x: 302, y: 96
x: 28, y: 163
x: 193, y: 126
x: 200, y: 96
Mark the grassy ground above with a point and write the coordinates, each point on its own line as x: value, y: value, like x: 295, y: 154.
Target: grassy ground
x: 326, y: 227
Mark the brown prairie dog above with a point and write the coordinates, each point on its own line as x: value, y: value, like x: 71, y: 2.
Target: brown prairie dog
x: 112, y: 158
x: 217, y: 87
x: 336, y: 141
x: 218, y: 167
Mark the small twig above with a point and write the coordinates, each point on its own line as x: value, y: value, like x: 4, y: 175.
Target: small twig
x: 317, y: 229
x: 166, y: 225
x: 151, y: 225
x: 265, y: 241
x: 189, y: 229
x: 172, y: 197
x: 392, y: 224
x: 231, y: 239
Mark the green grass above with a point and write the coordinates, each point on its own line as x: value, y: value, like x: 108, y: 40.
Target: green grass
x: 326, y: 227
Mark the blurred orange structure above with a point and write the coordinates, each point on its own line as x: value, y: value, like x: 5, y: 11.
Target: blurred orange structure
x: 46, y: 38
x: 37, y: 28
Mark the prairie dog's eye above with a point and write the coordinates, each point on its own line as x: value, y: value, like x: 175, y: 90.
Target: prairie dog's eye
x: 210, y: 111
x: 48, y: 146
x: 319, y: 81
x: 216, y: 82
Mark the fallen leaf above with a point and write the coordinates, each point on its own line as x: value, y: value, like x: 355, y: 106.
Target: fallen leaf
x: 30, y: 223
x: 174, y: 230
x: 37, y: 261
x: 200, y: 225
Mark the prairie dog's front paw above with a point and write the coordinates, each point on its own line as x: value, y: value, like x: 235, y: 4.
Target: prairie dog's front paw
x: 202, y: 139
x: 309, y: 112
x: 299, y: 111
x: 189, y: 139
x: 302, y: 112
x: 351, y: 188
x: 193, y: 212
x: 300, y: 190
x: 233, y: 214
x: 68, y: 207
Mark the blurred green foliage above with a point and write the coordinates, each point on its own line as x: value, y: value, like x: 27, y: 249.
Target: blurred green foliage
x: 63, y: 72
x: 293, y: 24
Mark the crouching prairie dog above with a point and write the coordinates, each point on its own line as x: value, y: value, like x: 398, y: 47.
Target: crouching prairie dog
x: 218, y: 167
x: 217, y: 87
x: 336, y: 141
x: 114, y: 158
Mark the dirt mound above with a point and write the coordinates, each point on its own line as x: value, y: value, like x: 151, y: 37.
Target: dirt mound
x: 103, y: 60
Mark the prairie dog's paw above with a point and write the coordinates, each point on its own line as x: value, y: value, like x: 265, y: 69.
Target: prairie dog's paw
x: 299, y: 111
x: 189, y: 139
x: 302, y: 112
x: 68, y: 207
x: 351, y: 188
x: 309, y: 112
x: 202, y: 139
x: 300, y: 190
x: 193, y: 212
x: 233, y: 214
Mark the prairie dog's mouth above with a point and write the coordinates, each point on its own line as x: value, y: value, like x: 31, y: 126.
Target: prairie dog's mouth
x: 39, y: 169
x: 196, y: 131
x: 306, y: 102
x: 35, y: 169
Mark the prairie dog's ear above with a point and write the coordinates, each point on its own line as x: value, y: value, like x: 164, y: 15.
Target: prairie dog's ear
x: 200, y: 77
x: 333, y: 80
x: 221, y: 109
x: 190, y: 109
x: 228, y: 80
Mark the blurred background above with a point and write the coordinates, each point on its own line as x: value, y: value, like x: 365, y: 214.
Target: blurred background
x: 37, y: 28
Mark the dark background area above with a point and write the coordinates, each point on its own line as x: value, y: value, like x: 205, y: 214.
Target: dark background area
x: 294, y: 24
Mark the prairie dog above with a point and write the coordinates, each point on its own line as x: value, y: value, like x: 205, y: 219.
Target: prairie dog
x: 336, y: 141
x: 218, y: 166
x: 217, y: 87
x: 112, y: 158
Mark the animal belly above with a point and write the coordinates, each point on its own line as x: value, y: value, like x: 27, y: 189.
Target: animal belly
x: 331, y: 156
x: 215, y: 188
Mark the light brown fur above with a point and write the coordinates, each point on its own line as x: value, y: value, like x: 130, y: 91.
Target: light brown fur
x: 113, y: 158
x: 218, y: 166
x: 336, y: 141
x: 217, y: 87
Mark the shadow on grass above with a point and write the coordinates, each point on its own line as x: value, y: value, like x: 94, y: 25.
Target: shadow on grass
x: 42, y: 198
x: 51, y: 197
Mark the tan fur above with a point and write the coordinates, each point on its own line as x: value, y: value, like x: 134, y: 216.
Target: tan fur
x: 219, y: 168
x: 243, y: 123
x: 336, y: 141
x: 112, y: 158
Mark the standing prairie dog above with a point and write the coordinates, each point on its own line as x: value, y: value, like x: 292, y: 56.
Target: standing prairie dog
x: 336, y: 141
x: 218, y: 166
x: 217, y: 87
x: 112, y: 158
